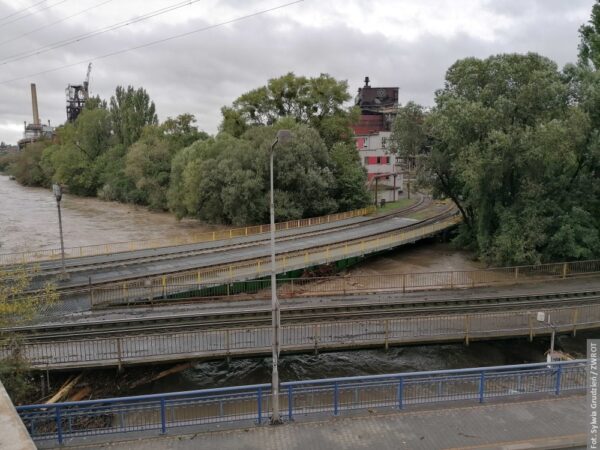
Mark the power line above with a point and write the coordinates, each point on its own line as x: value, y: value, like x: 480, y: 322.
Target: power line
x: 32, y: 13
x: 88, y: 35
x: 158, y: 41
x: 21, y: 10
x: 54, y: 23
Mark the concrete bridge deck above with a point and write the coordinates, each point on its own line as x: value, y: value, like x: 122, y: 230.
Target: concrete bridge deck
x: 545, y: 423
x: 117, y: 348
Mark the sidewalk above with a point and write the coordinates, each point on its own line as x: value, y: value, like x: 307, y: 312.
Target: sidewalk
x: 550, y: 423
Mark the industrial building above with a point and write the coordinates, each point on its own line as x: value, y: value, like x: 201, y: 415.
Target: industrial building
x: 378, y: 107
x: 36, y: 130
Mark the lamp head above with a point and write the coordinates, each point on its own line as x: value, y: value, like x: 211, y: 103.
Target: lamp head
x: 284, y: 136
x: 57, y: 190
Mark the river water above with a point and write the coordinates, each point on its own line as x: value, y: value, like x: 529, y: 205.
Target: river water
x: 28, y: 221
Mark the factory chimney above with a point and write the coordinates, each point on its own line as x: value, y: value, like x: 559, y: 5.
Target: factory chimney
x: 34, y: 105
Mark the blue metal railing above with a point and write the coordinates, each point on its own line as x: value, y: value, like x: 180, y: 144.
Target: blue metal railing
x: 251, y: 403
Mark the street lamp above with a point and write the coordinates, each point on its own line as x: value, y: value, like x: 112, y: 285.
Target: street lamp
x: 283, y: 136
x: 57, y: 190
x: 541, y: 318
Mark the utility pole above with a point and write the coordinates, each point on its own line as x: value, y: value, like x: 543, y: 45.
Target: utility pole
x: 57, y: 190
x: 282, y: 137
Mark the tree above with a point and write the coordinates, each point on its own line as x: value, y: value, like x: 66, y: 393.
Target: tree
x: 27, y: 166
x: 18, y: 306
x: 408, y: 135
x: 513, y: 152
x: 318, y: 102
x: 589, y: 47
x: 350, y: 178
x: 131, y: 110
x: 226, y: 179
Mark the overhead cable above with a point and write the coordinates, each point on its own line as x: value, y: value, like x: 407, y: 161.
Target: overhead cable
x: 90, y: 34
x: 51, y: 24
x: 158, y: 41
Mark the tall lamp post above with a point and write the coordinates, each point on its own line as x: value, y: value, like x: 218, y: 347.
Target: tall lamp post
x: 283, y: 136
x: 57, y: 190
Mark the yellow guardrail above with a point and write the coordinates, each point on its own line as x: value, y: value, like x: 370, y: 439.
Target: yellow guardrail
x: 173, y: 283
x: 194, y: 238
x: 356, y: 284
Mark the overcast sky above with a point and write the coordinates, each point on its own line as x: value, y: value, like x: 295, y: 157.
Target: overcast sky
x: 403, y: 43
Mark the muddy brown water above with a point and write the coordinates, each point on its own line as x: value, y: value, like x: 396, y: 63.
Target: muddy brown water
x: 28, y: 221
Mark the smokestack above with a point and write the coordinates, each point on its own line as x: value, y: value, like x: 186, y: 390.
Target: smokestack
x: 34, y: 105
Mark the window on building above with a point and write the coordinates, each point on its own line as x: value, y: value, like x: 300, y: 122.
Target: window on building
x: 366, y: 160
x: 366, y: 143
x: 383, y: 142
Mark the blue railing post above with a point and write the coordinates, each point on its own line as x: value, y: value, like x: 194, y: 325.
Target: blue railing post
x: 259, y: 404
x: 481, y: 386
x: 290, y: 402
x: 59, y: 433
x: 558, y: 378
x: 163, y: 416
x: 400, y: 394
x: 335, y: 398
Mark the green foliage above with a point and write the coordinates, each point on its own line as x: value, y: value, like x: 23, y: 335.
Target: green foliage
x: 131, y: 110
x: 318, y: 102
x: 18, y: 306
x: 350, y: 190
x: 409, y: 137
x: 589, y: 47
x: 513, y: 150
x: 226, y: 179
x: 27, y: 168
x: 148, y: 162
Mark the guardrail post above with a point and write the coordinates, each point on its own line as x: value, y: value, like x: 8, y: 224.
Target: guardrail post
x: 481, y: 386
x: 259, y: 405
x: 564, y: 270
x: 530, y: 328
x: 575, y: 317
x: 59, y: 431
x: 336, y: 394
x: 163, y: 416
x: 290, y: 402
x: 558, y: 379
x: 387, y: 326
x: 400, y: 393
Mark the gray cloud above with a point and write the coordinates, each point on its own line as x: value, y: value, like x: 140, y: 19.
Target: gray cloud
x: 202, y: 72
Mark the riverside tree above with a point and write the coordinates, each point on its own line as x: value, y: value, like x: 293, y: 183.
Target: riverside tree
x: 226, y: 179
x: 518, y: 157
x: 19, y: 306
x: 317, y: 101
x: 409, y: 136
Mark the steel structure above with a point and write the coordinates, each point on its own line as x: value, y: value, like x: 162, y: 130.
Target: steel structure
x: 77, y: 95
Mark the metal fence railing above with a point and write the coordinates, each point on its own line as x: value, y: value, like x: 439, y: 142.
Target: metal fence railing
x: 164, y: 412
x: 356, y: 284
x: 296, y: 337
x: 166, y: 285
x: 192, y: 238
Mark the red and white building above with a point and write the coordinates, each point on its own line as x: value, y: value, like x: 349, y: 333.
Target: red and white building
x: 379, y: 107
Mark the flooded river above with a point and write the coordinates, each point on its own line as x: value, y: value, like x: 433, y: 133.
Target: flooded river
x: 28, y: 221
